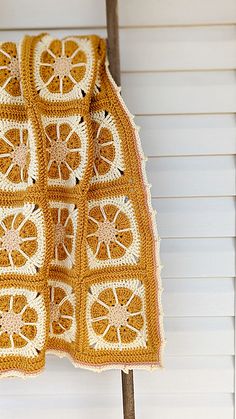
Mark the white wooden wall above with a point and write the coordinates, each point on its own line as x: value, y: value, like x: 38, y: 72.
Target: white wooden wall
x: 178, y: 61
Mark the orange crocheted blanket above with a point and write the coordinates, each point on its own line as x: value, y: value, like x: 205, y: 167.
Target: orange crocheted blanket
x: 79, y: 248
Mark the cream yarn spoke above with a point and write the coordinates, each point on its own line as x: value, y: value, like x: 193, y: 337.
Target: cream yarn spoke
x: 133, y: 329
x: 101, y: 302
x: 121, y: 244
x: 95, y: 170
x: 21, y: 136
x: 67, y: 220
x: 58, y: 130
x: 103, y: 212
x: 135, y: 313
x: 68, y: 253
x: 115, y: 295
x: 49, y: 164
x: 49, y: 81
x: 66, y: 316
x: 63, y: 48
x: 7, y: 141
x: 11, y: 303
x: 62, y: 301
x: 116, y: 215
x: 75, y: 52
x: 105, y: 144
x: 51, y: 53
x: 70, y: 134
x: 3, y: 226
x: 56, y: 254
x: 72, y: 78
x: 108, y: 251
x: 71, y: 236
x: 5, y: 155
x: 104, y: 333
x: 26, y: 239
x: 5, y: 84
x: 59, y: 215
x: 131, y: 298
x: 119, y: 338
x: 105, y: 159
x: 123, y: 229
x: 78, y: 65
x: 48, y: 138
x: 12, y: 341
x: 24, y: 254
x: 45, y: 64
x: 11, y: 260
x: 52, y: 293
x: 62, y: 327
x: 97, y: 319
x: 25, y: 338
x: 8, y: 170
x: 68, y: 167
x: 61, y: 85
x: 74, y: 150
x: 22, y: 174
x: 59, y: 171
x: 97, y: 249
x: 6, y: 54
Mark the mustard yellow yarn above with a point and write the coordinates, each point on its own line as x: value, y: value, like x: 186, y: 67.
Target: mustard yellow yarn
x: 79, y: 249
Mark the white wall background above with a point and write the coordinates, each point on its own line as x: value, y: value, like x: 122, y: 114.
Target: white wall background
x: 178, y: 61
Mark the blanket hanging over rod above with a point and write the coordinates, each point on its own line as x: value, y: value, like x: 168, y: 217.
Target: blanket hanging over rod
x: 79, y: 248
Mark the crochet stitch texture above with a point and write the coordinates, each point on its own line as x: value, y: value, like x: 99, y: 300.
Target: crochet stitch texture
x: 79, y: 248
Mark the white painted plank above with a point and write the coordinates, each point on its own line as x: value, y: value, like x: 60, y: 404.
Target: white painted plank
x: 199, y: 336
x: 56, y: 13
x: 192, y: 176
x: 161, y: 12
x: 163, y: 406
x: 198, y: 297
x: 175, y: 135
x: 63, y: 407
x: 197, y: 257
x: 180, y: 92
x: 185, y: 406
x: 193, y: 374
x: 195, y: 217
x: 189, y: 375
x: 171, y: 49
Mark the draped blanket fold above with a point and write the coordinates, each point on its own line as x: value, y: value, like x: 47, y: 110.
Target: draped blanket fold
x: 79, y: 248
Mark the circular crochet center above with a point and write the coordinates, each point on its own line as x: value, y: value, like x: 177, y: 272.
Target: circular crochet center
x: 118, y: 315
x: 58, y: 151
x: 19, y: 155
x: 11, y: 240
x: 14, y: 68
x: 62, y: 66
x: 97, y: 150
x: 55, y: 312
x: 59, y: 232
x: 106, y: 232
x: 11, y: 322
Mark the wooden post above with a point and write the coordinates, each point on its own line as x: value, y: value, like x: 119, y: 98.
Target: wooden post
x: 114, y: 66
x: 128, y: 395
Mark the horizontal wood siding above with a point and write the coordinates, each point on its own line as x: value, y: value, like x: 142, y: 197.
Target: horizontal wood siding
x: 178, y: 61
